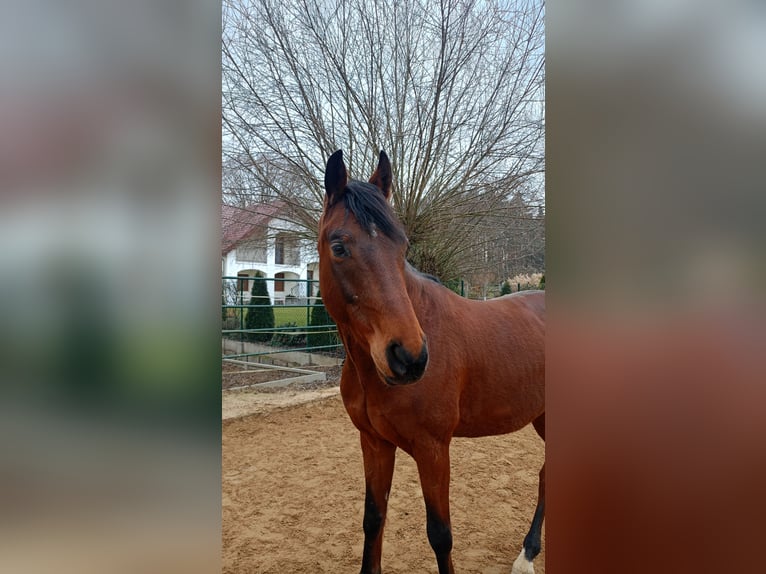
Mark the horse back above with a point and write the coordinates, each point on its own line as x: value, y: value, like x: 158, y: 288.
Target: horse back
x: 532, y: 300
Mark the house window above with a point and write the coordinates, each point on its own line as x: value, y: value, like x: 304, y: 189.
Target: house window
x: 279, y: 251
x: 242, y: 282
x: 286, y: 250
x: 279, y: 284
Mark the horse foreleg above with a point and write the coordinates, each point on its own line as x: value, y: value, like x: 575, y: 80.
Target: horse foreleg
x: 434, y: 470
x: 379, y: 456
x: 532, y: 541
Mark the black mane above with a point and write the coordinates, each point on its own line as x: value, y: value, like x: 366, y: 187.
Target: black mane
x: 371, y: 210
x: 417, y: 271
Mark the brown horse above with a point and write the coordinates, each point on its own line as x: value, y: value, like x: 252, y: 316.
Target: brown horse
x: 422, y: 363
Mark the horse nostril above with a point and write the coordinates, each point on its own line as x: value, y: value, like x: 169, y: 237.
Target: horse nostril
x: 402, y: 354
x: 397, y: 359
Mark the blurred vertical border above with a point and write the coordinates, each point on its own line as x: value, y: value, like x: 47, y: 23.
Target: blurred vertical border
x: 109, y: 225
x: 656, y: 387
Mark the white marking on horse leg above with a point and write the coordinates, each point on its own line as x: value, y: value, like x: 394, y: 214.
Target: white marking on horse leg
x: 522, y: 565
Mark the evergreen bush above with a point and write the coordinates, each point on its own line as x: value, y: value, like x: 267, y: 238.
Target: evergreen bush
x: 320, y: 317
x: 260, y: 314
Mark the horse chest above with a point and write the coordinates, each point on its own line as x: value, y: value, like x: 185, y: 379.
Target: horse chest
x: 371, y: 414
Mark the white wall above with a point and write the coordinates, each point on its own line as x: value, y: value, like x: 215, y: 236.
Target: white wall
x: 231, y: 267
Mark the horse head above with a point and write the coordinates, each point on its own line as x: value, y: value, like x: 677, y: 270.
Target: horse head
x: 362, y: 268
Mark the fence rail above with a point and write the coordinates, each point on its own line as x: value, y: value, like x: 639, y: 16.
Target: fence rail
x: 294, y: 314
x: 293, y: 329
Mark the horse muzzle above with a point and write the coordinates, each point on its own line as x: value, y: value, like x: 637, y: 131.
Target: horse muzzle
x: 405, y: 367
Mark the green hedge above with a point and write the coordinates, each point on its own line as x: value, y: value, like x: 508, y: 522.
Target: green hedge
x: 260, y: 315
x: 320, y: 317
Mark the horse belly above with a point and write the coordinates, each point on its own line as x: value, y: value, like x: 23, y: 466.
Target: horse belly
x: 500, y: 407
x: 502, y: 374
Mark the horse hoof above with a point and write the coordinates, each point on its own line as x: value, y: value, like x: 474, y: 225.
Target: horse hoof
x: 522, y: 565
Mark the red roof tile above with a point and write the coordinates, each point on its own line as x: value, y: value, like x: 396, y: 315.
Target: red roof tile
x: 239, y: 223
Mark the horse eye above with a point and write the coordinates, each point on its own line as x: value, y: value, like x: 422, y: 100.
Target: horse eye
x: 339, y: 250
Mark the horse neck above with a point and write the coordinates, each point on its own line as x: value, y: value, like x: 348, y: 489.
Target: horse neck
x: 420, y: 289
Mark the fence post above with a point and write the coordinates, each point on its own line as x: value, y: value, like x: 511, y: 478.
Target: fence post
x: 241, y: 322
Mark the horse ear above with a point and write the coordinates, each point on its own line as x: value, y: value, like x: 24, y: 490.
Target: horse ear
x: 382, y: 176
x: 335, y: 177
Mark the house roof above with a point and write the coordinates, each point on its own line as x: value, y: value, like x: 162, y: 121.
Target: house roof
x: 239, y: 223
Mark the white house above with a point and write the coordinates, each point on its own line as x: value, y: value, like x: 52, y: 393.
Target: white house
x: 255, y: 239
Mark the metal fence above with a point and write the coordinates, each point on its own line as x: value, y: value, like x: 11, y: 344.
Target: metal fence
x: 293, y: 301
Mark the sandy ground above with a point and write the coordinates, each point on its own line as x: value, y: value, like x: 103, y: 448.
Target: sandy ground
x: 293, y: 492
x: 244, y: 402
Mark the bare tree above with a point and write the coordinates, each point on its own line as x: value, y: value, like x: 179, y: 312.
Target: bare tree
x: 500, y: 250
x: 247, y: 184
x: 451, y: 89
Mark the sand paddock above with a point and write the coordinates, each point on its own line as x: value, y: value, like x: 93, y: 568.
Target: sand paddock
x: 293, y: 492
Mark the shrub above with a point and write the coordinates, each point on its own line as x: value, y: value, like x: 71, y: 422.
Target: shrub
x: 524, y: 281
x: 456, y: 286
x: 260, y: 315
x: 505, y: 288
x: 542, y: 281
x: 285, y: 338
x: 231, y: 323
x: 320, y: 318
